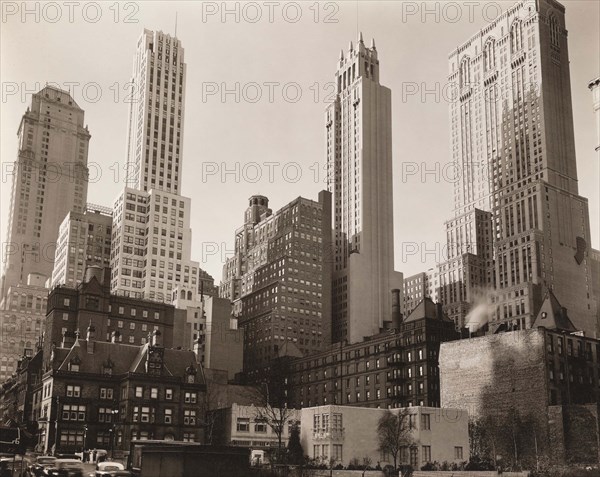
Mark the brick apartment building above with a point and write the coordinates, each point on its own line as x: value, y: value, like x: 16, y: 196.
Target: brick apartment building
x: 91, y: 302
x: 98, y: 394
x: 396, y: 368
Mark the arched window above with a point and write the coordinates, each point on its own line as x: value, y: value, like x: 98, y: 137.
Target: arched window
x: 516, y: 36
x: 182, y: 294
x: 464, y: 72
x: 489, y: 55
x: 189, y: 295
x: 554, y: 31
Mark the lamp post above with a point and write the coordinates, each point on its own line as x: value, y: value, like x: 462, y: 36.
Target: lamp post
x: 113, y: 430
x: 85, y: 428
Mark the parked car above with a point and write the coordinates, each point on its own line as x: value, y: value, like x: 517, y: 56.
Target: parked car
x: 36, y: 468
x: 111, y: 469
x: 65, y: 468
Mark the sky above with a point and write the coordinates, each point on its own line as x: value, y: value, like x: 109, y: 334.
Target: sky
x: 259, y: 76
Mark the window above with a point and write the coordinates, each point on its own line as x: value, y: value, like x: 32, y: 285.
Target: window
x: 143, y: 414
x: 243, y: 424
x: 414, y: 456
x: 458, y: 453
x: 189, y: 437
x: 73, y: 438
x: 168, y: 394
x: 426, y: 455
x: 73, y: 412
x: 425, y: 422
x: 73, y: 391
x: 337, y: 452
x: 260, y: 426
x: 104, y: 414
x: 139, y: 391
x: 65, y: 317
x: 66, y: 302
x: 106, y: 393
x: 189, y: 417
x: 190, y: 398
x: 153, y: 393
x: 121, y: 310
x: 168, y: 416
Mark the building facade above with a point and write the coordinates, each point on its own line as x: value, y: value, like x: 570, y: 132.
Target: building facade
x: 358, y: 127
x: 209, y: 329
x: 83, y: 240
x: 119, y: 318
x: 243, y: 426
x: 97, y: 394
x: 396, y: 368
x: 513, y: 142
x: 279, y: 280
x: 50, y: 179
x: 339, y: 434
x: 540, y: 383
x: 21, y: 322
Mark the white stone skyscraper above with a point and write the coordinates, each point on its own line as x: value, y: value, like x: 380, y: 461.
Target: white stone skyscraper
x: 156, y: 114
x: 512, y: 137
x: 359, y: 169
x: 50, y: 179
x: 151, y: 241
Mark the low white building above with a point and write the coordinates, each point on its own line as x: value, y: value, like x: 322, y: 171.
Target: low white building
x: 241, y: 426
x: 343, y: 433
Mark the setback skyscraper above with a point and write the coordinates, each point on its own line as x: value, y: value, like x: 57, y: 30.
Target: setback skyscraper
x: 512, y: 137
x: 359, y: 169
x: 151, y: 241
x: 50, y: 179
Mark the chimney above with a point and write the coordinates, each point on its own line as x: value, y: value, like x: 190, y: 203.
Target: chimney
x: 396, y: 315
x: 156, y: 338
x: 91, y: 334
x: 439, y: 311
x: 94, y: 271
x: 114, y: 336
x: 68, y: 338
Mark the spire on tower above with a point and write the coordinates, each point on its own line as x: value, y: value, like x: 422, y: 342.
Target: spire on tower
x: 341, y: 54
x: 373, y: 43
x: 360, y: 38
x: 351, y: 47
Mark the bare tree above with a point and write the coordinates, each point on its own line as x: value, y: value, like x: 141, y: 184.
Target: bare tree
x: 394, y: 433
x: 275, y: 413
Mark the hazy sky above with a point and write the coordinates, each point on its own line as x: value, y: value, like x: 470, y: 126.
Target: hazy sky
x: 281, y: 58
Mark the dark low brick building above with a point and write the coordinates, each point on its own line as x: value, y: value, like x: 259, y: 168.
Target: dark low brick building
x: 396, y: 368
x: 98, y: 394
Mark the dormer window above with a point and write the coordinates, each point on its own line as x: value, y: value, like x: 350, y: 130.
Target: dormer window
x: 190, y: 374
x: 107, y: 368
x: 74, y: 364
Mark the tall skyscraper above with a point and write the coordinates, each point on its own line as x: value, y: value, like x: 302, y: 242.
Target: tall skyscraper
x: 151, y: 241
x: 512, y: 136
x: 359, y: 168
x: 156, y: 114
x: 279, y: 280
x: 50, y: 179
x: 594, y: 86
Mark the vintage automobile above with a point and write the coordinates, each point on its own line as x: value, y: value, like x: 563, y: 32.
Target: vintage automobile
x: 111, y: 469
x: 36, y: 468
x: 65, y: 468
